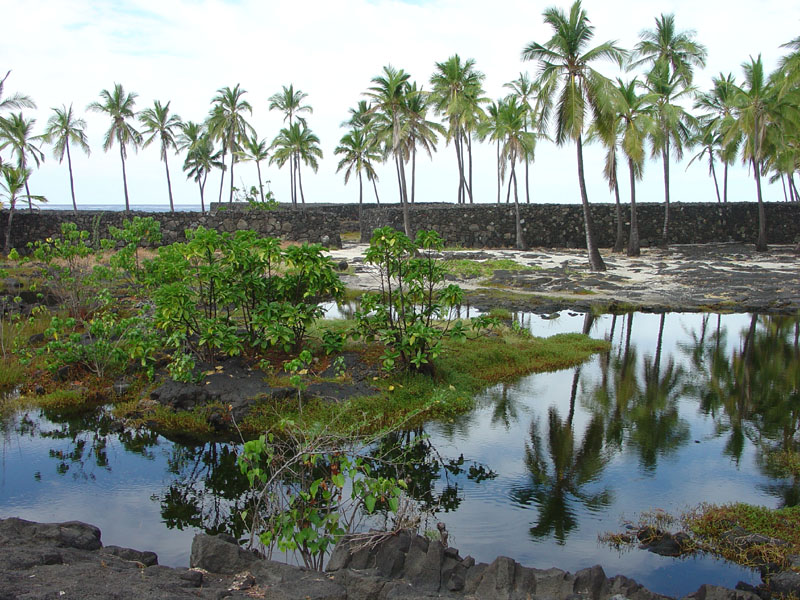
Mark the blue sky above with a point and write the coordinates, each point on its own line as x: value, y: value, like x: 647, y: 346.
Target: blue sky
x: 182, y: 51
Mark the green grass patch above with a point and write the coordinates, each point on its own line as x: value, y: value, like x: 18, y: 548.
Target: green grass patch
x: 63, y: 403
x: 712, y: 524
x: 463, y: 370
x: 785, y: 462
x: 11, y: 373
x: 500, y: 313
x: 180, y: 424
x: 462, y: 267
x: 353, y: 237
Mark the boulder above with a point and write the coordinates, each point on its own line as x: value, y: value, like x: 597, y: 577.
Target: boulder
x: 219, y: 554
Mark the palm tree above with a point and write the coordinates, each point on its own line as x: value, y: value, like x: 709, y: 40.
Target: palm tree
x: 756, y: 109
x: 15, y: 102
x: 200, y: 159
x: 296, y: 144
x: 119, y: 107
x: 672, y: 55
x: 608, y: 136
x: 566, y: 74
x: 706, y: 136
x: 62, y: 127
x: 16, y: 133
x: 457, y: 93
x: 635, y: 124
x: 517, y: 143
x: 190, y: 135
x: 493, y: 127
x: 290, y: 103
x: 677, y: 50
x: 717, y: 106
x: 160, y: 124
x: 419, y: 130
x: 525, y: 90
x: 226, y: 122
x: 358, y: 153
x: 664, y: 92
x: 363, y: 117
x: 388, y: 96
x: 256, y: 150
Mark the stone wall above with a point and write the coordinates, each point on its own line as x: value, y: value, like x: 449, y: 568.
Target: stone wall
x: 311, y: 225
x: 476, y: 225
x: 561, y: 225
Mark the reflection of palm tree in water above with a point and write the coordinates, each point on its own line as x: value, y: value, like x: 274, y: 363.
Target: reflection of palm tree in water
x: 560, y: 468
x: 656, y: 426
x: 618, y: 387
x: 505, y: 406
x: 646, y: 409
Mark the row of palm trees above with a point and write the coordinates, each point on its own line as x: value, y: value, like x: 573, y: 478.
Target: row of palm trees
x: 568, y: 101
x: 576, y: 103
x: 225, y: 134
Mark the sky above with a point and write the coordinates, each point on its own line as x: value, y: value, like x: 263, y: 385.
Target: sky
x: 65, y: 52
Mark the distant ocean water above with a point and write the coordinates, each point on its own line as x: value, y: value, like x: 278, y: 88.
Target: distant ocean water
x: 121, y: 207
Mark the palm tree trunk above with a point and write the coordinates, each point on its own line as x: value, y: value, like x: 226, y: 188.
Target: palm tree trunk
x: 399, y: 181
x: 124, y: 177
x: 413, y: 172
x: 202, y: 185
x: 517, y: 217
x: 619, y: 243
x: 714, y: 175
x: 403, y: 195
x: 725, y: 184
x: 469, y: 153
x: 300, y: 184
x: 783, y: 184
x: 498, y: 172
x: 456, y: 145
x: 794, y: 188
x: 360, y: 196
x: 375, y: 187
x: 71, y: 180
x: 28, y: 192
x: 222, y: 174
x: 260, y: 184
x: 761, y: 242
x: 169, y: 185
x: 233, y: 160
x: 665, y: 231
x: 11, y: 205
x: 527, y: 182
x: 595, y: 260
x: 633, y: 240
x: 292, y: 191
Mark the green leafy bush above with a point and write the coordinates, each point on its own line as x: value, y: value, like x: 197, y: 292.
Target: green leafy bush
x: 215, y: 286
x: 414, y: 310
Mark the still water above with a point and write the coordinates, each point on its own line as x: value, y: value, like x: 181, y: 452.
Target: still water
x: 685, y: 408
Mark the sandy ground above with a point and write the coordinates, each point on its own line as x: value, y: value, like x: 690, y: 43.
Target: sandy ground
x: 726, y: 276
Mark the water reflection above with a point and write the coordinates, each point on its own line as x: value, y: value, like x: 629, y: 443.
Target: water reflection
x: 681, y: 409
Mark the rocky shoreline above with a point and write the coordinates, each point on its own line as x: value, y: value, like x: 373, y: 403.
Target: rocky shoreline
x: 41, y: 561
x: 716, y: 277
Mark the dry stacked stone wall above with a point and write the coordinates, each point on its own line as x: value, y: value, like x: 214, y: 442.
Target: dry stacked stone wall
x: 314, y: 224
x: 561, y: 225
x: 470, y: 226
